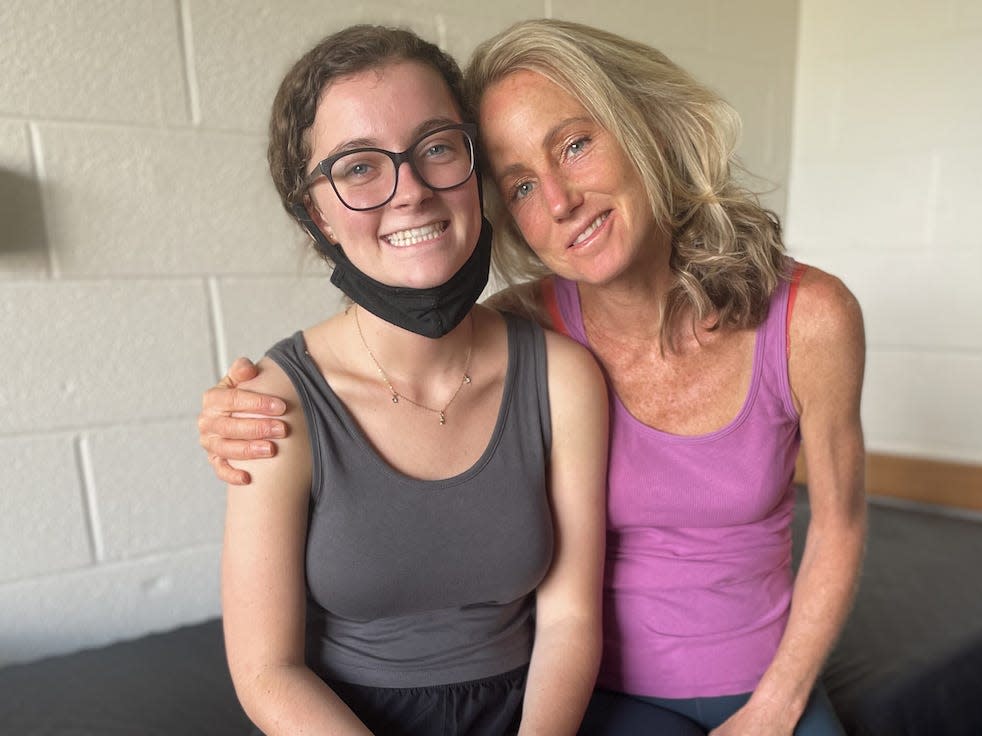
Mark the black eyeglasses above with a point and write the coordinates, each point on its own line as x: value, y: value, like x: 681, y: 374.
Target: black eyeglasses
x: 366, y: 178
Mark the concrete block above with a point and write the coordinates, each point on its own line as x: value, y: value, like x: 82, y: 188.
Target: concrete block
x: 817, y: 105
x: 242, y: 50
x: 107, y: 60
x: 906, y: 98
x: 154, y: 489
x: 79, y: 353
x: 758, y: 95
x: 259, y: 312
x: 42, y: 510
x: 668, y: 25
x: 967, y: 16
x: 880, y: 203
x: 23, y: 248
x: 759, y: 30
x: 894, y: 24
x: 459, y: 29
x: 924, y: 404
x: 959, y: 192
x: 63, y: 613
x: 141, y: 202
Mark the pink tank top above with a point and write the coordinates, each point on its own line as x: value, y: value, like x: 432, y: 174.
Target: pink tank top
x: 698, y: 578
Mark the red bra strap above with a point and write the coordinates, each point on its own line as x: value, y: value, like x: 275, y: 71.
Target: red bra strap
x: 551, y: 302
x: 799, y: 269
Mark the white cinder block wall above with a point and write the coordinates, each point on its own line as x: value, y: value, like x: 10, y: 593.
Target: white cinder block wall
x: 141, y: 246
x: 886, y: 192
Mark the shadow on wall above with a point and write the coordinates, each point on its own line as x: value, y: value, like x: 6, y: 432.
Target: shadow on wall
x: 21, y: 215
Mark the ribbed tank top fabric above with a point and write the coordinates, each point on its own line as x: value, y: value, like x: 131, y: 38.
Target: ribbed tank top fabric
x: 415, y: 583
x: 698, y: 576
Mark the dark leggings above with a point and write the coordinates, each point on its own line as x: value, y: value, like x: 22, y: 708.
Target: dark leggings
x: 615, y: 714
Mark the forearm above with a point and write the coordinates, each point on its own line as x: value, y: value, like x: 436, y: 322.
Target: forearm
x: 561, y: 677
x: 821, y: 600
x: 291, y: 700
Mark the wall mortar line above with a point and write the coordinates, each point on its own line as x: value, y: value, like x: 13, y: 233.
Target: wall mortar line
x: 190, y: 72
x: 83, y: 457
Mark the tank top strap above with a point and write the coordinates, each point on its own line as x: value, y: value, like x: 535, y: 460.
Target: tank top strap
x: 562, y: 300
x: 527, y: 354
x: 774, y: 332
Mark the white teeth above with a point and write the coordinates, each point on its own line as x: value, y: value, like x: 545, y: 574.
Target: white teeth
x: 590, y: 229
x: 416, y: 234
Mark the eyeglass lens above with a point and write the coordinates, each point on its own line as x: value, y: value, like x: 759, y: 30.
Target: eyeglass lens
x: 366, y: 179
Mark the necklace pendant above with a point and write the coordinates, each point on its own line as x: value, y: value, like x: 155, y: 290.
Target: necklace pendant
x: 467, y: 379
x: 395, y: 398
x: 443, y: 418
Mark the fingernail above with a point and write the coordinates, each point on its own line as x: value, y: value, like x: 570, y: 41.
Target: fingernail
x: 277, y: 430
x: 260, y: 449
x: 277, y: 406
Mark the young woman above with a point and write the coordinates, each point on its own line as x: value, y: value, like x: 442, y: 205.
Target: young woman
x: 443, y: 479
x: 610, y: 168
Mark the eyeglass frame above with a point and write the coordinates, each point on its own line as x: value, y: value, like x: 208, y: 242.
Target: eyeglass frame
x: 323, y: 167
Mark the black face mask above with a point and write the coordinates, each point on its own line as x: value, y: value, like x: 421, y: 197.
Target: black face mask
x: 430, y: 312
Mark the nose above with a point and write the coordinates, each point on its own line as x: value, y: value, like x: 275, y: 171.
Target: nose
x: 410, y: 189
x: 562, y: 197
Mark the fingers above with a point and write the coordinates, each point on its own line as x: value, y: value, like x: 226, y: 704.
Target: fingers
x: 227, y: 473
x: 241, y: 370
x: 223, y: 426
x: 221, y: 399
x: 226, y: 449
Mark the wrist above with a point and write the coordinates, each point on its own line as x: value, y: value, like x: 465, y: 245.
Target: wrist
x: 783, y: 702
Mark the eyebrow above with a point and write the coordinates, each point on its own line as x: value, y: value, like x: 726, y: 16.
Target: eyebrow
x: 418, y: 132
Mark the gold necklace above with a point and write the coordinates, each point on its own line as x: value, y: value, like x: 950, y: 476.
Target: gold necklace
x: 442, y: 413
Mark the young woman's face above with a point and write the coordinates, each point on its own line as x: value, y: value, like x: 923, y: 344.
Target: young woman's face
x: 421, y: 237
x: 572, y: 191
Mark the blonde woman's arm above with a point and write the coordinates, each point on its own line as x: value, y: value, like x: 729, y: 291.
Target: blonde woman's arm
x: 826, y: 370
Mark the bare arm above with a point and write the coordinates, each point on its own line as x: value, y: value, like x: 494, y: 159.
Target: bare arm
x: 826, y: 371
x: 566, y: 654
x: 263, y: 590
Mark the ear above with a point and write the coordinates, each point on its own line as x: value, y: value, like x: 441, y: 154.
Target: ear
x: 315, y: 214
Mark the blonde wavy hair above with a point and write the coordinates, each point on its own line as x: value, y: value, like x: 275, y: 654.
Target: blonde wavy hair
x: 727, y: 255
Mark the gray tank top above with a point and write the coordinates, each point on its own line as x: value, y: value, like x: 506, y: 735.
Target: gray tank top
x: 410, y: 582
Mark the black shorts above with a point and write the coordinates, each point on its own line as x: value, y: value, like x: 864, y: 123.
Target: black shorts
x: 491, y: 706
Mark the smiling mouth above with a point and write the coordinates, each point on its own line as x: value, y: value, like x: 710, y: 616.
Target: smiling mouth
x: 415, y: 235
x: 591, y: 228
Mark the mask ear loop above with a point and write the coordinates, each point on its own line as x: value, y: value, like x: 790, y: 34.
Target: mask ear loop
x: 321, y: 243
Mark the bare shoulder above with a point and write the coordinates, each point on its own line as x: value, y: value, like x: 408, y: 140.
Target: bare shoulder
x: 824, y: 310
x: 524, y: 300
x: 572, y: 368
x: 827, y: 342
x: 293, y: 451
x: 271, y: 379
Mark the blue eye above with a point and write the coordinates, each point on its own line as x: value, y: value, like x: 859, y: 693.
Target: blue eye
x: 577, y: 147
x: 522, y: 190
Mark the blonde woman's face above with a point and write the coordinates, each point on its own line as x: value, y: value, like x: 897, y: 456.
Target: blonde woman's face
x: 570, y: 188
